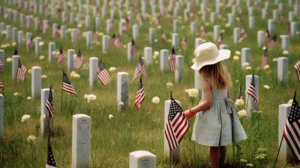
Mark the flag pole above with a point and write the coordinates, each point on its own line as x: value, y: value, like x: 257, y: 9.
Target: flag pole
x: 282, y: 137
x: 61, y: 93
x: 170, y: 147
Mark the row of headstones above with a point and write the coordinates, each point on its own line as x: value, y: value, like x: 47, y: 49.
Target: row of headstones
x: 81, y: 131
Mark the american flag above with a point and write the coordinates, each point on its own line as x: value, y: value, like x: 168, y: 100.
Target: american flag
x: 170, y: 15
x: 118, y: 42
x: 202, y: 31
x: 78, y: 60
x: 40, y: 24
x: 251, y: 90
x: 67, y: 85
x: 30, y: 43
x: 157, y: 22
x: 163, y: 37
x: 127, y: 23
x: 239, y: 9
x: 61, y: 57
x: 25, y: 20
x: 291, y: 131
x: 78, y: 34
x: 21, y: 72
x: 264, y: 60
x: 186, y: 17
x: 57, y: 32
x: 140, y: 70
x: 95, y: 35
x: 267, y: 37
x: 256, y: 6
x: 1, y: 65
x: 66, y: 18
x: 244, y: 33
x: 50, y: 106
x: 45, y: 9
x: 297, y: 68
x: 176, y: 126
x: 140, y: 95
x: 220, y: 39
x: 133, y: 49
x: 50, y: 159
x: 102, y: 74
x: 184, y: 44
x: 273, y: 42
x: 58, y: 13
x: 288, y: 29
x: 47, y: 27
x: 172, y: 61
x: 1, y: 85
x: 112, y: 41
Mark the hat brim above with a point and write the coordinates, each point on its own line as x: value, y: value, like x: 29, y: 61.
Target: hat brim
x: 223, y: 55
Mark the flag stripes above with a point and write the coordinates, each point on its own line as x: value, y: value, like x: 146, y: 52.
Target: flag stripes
x: 297, y: 68
x: 102, y: 74
x: 140, y: 95
x: 252, y: 91
x: 67, y: 85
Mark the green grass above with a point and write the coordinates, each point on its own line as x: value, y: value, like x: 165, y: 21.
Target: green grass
x: 113, y: 139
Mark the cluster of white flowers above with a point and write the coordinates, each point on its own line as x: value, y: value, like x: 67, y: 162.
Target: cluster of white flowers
x: 236, y: 58
x: 244, y: 160
x: 155, y: 100
x: 3, y: 46
x: 42, y: 57
x: 41, y: 43
x: 28, y: 98
x: 121, y: 103
x: 25, y: 117
x: 110, y: 116
x: 290, y: 101
x: 285, y: 52
x: 249, y: 165
x: 169, y: 84
x: 13, y: 44
x: 192, y: 92
x: 266, y: 87
x: 245, y: 64
x: 73, y: 74
x: 112, y: 68
x: 238, y: 53
x: 248, y: 68
x: 44, y: 76
x: 85, y: 66
x: 43, y: 117
x: 90, y: 97
x: 8, y: 60
x: 31, y: 138
x: 242, y: 113
x: 266, y: 66
x: 16, y: 94
x: 261, y: 156
x: 239, y: 102
x: 194, y: 60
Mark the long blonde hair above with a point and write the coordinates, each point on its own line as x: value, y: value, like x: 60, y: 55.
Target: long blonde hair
x: 218, y: 75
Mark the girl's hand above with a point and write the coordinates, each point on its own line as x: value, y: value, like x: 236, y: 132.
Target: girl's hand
x: 187, y: 114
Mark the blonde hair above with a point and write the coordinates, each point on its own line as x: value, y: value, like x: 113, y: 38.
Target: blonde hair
x: 218, y: 75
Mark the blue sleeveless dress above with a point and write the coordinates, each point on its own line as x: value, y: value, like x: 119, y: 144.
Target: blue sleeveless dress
x: 218, y: 125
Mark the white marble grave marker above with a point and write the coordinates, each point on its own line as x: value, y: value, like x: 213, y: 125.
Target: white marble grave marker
x: 108, y: 23
x: 1, y: 116
x: 2, y: 58
x: 282, y: 69
x: 93, y: 71
x: 296, y: 10
x: 198, y: 41
x: 122, y: 90
x: 8, y: 32
x: 164, y: 62
x: 230, y: 19
x: 175, y: 26
x: 15, y: 62
x: 275, y: 14
x: 285, y: 42
x: 36, y: 82
x: 130, y: 56
x: 142, y: 159
x: 246, y: 57
x: 179, y: 73
x: 293, y: 30
x: 216, y: 32
x: 87, y: 21
x: 148, y: 55
x: 81, y: 140
x: 29, y: 21
x: 74, y: 35
x: 251, y: 22
x: 20, y: 38
x: 71, y: 53
x: 236, y: 35
x: 260, y: 38
x: 151, y: 35
x: 51, y: 52
x: 175, y: 40
x: 212, y: 18
x: 63, y: 30
x: 38, y: 48
x: 291, y: 16
x: 105, y: 42
x: 271, y: 25
x: 89, y: 39
x: 193, y: 28
x: 28, y: 37
x: 135, y: 32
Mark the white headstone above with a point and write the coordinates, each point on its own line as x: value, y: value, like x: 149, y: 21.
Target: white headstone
x: 87, y: 21
x: 63, y: 30
x: 1, y: 116
x: 236, y: 35
x: 250, y: 11
x: 246, y: 57
x: 282, y: 71
x: 164, y: 62
x: 130, y: 56
x: 271, y: 25
x: 175, y: 26
x: 175, y: 153
x: 175, y: 40
x: 179, y: 73
x: 2, y: 27
x: 291, y: 16
x: 151, y: 35
x: 122, y: 90
x: 108, y: 23
x: 29, y: 21
x: 193, y: 28
x: 36, y: 82
x: 285, y: 43
x: 28, y: 37
x: 135, y: 32
x: 38, y: 48
x: 14, y: 35
x: 54, y: 26
x: 105, y: 42
x: 296, y: 10
x: 148, y: 55
x: 142, y: 159
x: 212, y: 18
x: 198, y: 41
x: 216, y: 32
x: 15, y: 62
x: 275, y: 15
x: 285, y: 153
x: 71, y: 53
x: 8, y: 31
x: 51, y: 52
x: 81, y: 140
x: 20, y: 38
x: 2, y: 58
x: 293, y: 30
x: 263, y: 13
x: 230, y: 19
x: 89, y: 39
x: 74, y: 35
x: 93, y: 71
x: 249, y: 99
x: 97, y: 23
x: 261, y: 38
x: 44, y: 111
x: 251, y: 22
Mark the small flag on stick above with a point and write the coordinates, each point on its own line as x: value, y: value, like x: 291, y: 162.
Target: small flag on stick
x: 140, y: 70
x: 163, y: 37
x: 133, y: 49
x: 273, y: 42
x: 1, y: 85
x: 176, y: 126
x: 50, y: 106
x: 67, y: 85
x: 297, y: 68
x: 50, y: 158
x: 264, y: 61
x: 21, y: 72
x: 102, y: 74
x: 140, y: 95
x: 184, y: 44
x: 30, y: 43
x: 172, y: 61
x: 61, y: 57
x: 220, y: 39
x: 1, y: 65
x: 251, y: 91
x: 77, y: 63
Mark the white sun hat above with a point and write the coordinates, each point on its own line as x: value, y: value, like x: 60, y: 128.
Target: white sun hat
x: 208, y: 54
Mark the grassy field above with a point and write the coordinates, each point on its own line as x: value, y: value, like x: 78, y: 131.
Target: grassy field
x: 113, y: 139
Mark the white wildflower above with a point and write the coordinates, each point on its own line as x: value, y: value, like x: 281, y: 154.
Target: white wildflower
x: 41, y: 43
x: 8, y: 60
x: 16, y: 94
x: 155, y: 100
x: 110, y: 116
x: 241, y: 113
x: 31, y: 138
x: 43, y: 117
x: 121, y: 103
x: 285, y: 52
x: 91, y: 97
x: 112, y: 68
x: 239, y: 102
x: 28, y: 98
x: 266, y: 87
x: 290, y: 101
x: 25, y: 117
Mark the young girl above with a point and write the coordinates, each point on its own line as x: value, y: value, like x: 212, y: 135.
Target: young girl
x: 216, y: 124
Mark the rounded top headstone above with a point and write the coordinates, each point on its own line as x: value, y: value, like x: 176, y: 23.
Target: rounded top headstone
x: 81, y: 116
x: 141, y: 153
